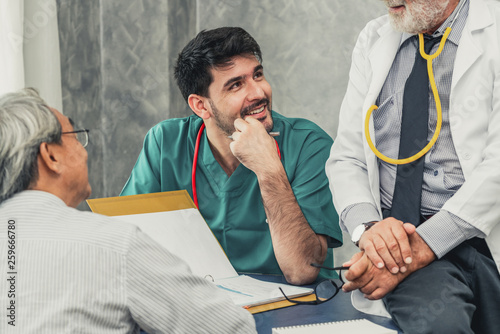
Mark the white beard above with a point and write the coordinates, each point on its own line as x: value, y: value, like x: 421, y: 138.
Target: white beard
x: 418, y: 16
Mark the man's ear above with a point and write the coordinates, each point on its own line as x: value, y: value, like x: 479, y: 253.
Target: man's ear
x: 49, y: 157
x: 199, y: 105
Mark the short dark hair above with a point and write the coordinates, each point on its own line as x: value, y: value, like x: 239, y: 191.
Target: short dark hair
x: 211, y: 49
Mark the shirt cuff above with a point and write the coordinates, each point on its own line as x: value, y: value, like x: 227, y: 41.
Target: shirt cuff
x: 357, y: 214
x: 445, y: 231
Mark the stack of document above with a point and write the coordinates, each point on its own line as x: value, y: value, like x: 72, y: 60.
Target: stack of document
x: 360, y: 326
x: 184, y: 232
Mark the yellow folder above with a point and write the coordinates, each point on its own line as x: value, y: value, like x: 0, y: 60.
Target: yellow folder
x: 144, y: 203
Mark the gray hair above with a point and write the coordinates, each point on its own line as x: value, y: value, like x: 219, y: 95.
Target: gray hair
x: 26, y: 121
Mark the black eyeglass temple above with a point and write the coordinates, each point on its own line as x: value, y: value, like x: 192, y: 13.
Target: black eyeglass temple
x: 285, y: 295
x: 312, y: 302
x: 76, y: 131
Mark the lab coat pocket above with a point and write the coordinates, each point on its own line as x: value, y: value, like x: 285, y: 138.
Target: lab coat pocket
x: 387, y: 125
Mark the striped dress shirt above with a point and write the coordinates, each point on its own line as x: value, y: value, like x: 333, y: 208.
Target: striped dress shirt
x: 442, y: 171
x: 79, y: 272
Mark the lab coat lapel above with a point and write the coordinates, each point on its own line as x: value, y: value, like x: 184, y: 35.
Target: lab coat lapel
x: 381, y: 57
x: 469, y: 50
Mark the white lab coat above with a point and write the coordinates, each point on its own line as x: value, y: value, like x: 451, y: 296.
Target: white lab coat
x: 474, y: 118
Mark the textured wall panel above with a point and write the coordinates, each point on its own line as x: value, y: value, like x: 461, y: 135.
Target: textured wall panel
x: 80, y: 46
x: 116, y: 61
x: 138, y: 90
x: 135, y: 80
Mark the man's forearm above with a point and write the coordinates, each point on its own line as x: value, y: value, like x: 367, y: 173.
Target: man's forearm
x: 295, y: 244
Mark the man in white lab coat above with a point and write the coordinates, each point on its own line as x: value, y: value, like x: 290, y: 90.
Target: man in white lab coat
x: 441, y: 276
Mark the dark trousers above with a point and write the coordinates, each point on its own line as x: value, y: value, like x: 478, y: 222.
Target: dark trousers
x: 459, y: 293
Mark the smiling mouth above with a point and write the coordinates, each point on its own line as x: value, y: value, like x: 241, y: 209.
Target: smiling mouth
x: 256, y: 111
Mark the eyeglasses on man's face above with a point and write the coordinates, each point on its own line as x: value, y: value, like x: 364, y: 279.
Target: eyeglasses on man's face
x: 324, y: 290
x: 81, y: 135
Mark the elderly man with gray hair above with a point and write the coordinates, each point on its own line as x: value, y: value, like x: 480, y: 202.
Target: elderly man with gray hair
x: 71, y: 271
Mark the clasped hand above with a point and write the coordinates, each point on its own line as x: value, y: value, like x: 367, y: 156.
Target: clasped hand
x: 373, y: 278
x: 387, y: 243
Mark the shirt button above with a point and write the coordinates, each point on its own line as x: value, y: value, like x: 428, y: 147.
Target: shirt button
x: 436, y: 173
x: 467, y: 156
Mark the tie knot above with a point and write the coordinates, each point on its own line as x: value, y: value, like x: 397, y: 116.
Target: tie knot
x: 430, y: 41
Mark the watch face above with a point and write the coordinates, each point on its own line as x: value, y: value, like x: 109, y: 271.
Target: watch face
x: 356, y: 234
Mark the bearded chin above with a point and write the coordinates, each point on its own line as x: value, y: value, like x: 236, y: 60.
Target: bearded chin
x: 419, y: 16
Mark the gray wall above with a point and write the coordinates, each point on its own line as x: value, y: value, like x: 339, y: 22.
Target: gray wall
x: 117, y: 58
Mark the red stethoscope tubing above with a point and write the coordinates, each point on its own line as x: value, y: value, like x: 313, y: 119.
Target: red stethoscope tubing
x: 195, y: 162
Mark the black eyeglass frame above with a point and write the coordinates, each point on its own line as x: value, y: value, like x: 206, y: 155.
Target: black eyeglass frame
x: 86, y: 131
x: 318, y: 301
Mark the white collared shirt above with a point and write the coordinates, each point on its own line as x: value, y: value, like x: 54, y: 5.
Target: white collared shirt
x: 79, y: 272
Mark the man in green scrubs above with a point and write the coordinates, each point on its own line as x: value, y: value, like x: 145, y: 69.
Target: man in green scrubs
x: 265, y: 198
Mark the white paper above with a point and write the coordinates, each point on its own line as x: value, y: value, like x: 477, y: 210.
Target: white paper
x: 247, y: 291
x: 359, y: 326
x: 186, y: 234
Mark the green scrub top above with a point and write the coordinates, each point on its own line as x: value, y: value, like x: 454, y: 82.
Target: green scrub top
x: 232, y: 206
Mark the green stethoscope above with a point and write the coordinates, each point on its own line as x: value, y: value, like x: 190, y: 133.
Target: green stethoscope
x: 439, y: 121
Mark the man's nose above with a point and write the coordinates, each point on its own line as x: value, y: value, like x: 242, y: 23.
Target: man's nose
x: 255, y: 91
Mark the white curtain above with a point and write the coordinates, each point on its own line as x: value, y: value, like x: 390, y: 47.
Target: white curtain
x: 29, y: 48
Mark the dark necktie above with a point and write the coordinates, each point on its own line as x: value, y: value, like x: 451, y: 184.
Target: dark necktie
x: 414, y: 125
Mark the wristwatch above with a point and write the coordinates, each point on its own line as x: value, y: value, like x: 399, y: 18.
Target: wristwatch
x: 358, y: 232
